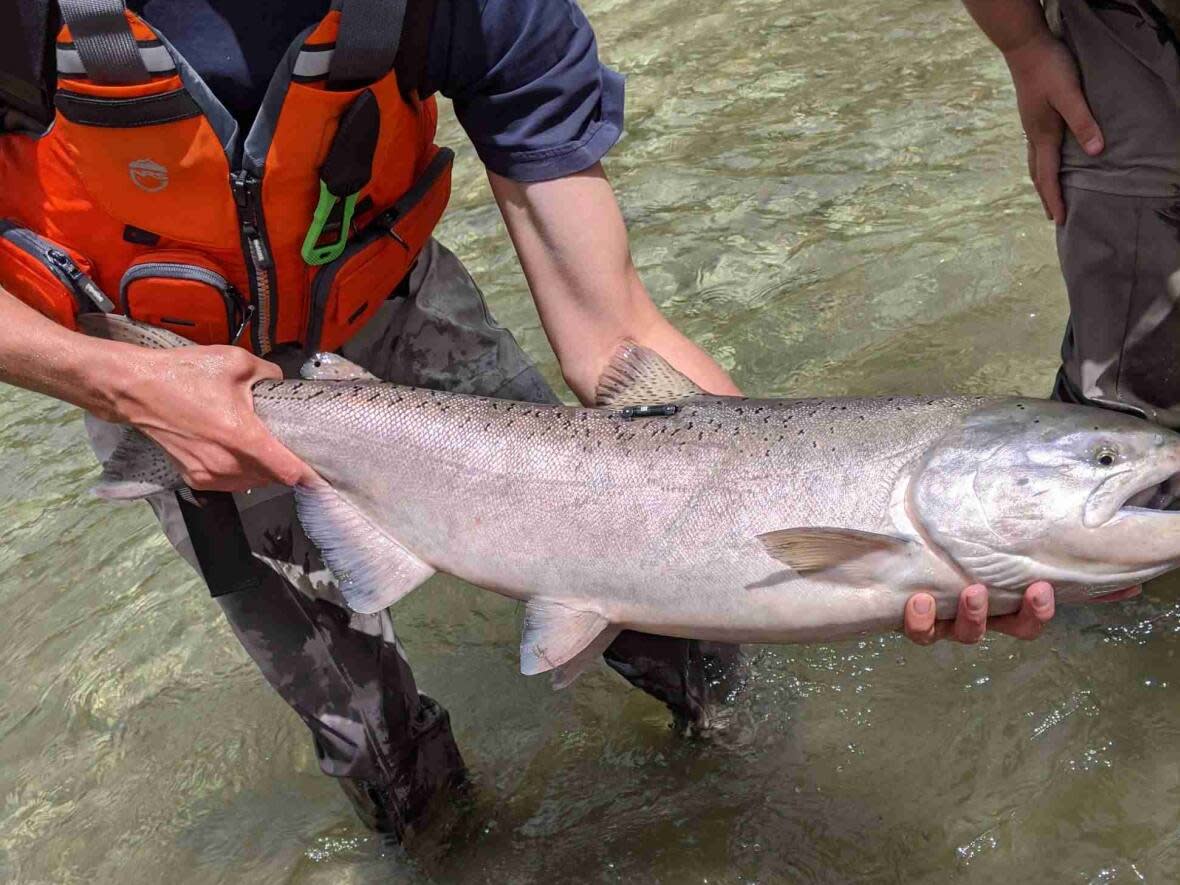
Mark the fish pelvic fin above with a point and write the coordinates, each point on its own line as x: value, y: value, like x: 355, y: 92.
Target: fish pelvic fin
x: 554, y: 635
x: 637, y: 376
x: 847, y: 555
x: 137, y: 468
x: 334, y: 367
x: 588, y: 658
x: 373, y: 570
x: 115, y: 327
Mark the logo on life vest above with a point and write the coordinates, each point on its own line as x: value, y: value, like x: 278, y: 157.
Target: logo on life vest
x: 148, y: 175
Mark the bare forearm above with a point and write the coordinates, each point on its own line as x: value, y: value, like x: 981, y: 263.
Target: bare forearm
x: 38, y: 354
x: 1009, y: 24
x: 573, y: 247
x: 194, y: 401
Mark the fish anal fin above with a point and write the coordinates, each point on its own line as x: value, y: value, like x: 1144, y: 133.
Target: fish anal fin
x: 374, y: 571
x: 847, y: 554
x: 637, y: 376
x: 554, y: 634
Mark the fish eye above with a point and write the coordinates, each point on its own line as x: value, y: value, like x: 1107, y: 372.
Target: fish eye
x: 1106, y: 456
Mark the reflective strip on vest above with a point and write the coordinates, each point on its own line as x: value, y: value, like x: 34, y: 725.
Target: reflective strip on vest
x: 313, y: 62
x: 155, y: 55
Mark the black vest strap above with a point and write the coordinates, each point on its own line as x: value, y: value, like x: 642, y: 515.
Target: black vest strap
x: 370, y: 32
x: 219, y: 542
x: 103, y: 39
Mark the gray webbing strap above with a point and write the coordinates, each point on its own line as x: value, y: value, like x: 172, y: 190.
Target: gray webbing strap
x: 370, y: 31
x: 104, y: 41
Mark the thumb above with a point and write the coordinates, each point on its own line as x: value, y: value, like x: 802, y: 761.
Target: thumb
x: 1076, y: 113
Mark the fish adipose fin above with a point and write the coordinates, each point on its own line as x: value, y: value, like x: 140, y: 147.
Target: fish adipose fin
x: 136, y: 468
x: 846, y: 554
x: 334, y: 367
x: 637, y: 376
x: 374, y: 570
x: 554, y: 635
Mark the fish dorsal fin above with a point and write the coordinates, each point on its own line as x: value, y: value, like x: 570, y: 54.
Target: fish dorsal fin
x: 116, y: 327
x: 554, y: 634
x: 374, y: 571
x: 846, y: 554
x: 637, y: 376
x: 334, y: 367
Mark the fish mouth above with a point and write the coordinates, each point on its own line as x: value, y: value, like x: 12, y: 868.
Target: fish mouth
x: 1155, y: 493
x: 1155, y: 497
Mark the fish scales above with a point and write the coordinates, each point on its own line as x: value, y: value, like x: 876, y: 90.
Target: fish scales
x: 721, y: 518
x: 672, y: 505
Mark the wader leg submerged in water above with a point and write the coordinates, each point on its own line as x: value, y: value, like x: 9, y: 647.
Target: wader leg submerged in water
x: 1120, y: 244
x: 344, y: 673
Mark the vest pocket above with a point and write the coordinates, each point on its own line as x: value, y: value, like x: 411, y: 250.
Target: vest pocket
x: 347, y: 292
x: 46, y: 275
x: 186, y: 294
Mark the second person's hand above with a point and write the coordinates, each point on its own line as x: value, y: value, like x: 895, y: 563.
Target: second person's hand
x: 1049, y: 97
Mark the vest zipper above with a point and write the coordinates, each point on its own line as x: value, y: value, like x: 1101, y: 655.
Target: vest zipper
x: 59, y: 264
x: 247, y: 190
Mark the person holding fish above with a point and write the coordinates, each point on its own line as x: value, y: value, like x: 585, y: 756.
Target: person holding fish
x: 230, y: 172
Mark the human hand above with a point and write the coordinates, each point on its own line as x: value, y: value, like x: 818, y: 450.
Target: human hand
x: 1049, y: 98
x: 196, y: 404
x: 971, y: 620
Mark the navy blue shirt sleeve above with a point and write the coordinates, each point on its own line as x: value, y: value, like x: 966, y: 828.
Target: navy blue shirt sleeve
x: 526, y: 84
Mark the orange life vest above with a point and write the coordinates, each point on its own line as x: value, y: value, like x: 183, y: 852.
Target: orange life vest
x: 143, y: 197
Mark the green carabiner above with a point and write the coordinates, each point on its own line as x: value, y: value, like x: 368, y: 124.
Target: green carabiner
x: 344, y: 174
x: 315, y: 253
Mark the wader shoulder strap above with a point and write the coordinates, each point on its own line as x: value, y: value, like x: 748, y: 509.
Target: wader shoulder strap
x: 219, y: 542
x: 104, y: 41
x: 366, y: 46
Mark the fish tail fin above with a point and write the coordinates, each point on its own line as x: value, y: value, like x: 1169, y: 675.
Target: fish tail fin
x: 137, y: 468
x: 115, y: 327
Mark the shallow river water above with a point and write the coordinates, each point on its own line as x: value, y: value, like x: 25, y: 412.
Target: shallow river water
x: 829, y: 197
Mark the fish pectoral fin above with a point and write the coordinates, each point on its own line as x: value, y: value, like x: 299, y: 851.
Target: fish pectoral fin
x: 637, y: 376
x: 584, y: 660
x: 847, y: 553
x: 373, y: 570
x: 136, y: 468
x: 554, y: 635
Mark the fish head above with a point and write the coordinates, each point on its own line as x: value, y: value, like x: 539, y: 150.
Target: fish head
x: 1035, y: 490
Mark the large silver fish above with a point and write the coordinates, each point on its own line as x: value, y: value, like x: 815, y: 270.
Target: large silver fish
x: 674, y: 512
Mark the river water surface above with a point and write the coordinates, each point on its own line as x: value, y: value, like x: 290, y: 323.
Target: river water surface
x: 829, y: 197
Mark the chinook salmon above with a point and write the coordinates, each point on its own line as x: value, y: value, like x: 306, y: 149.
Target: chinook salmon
x: 674, y: 512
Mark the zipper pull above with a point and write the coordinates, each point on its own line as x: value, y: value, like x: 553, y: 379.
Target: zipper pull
x: 258, y: 251
x: 245, y: 191
x: 80, y: 281
x: 247, y: 314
